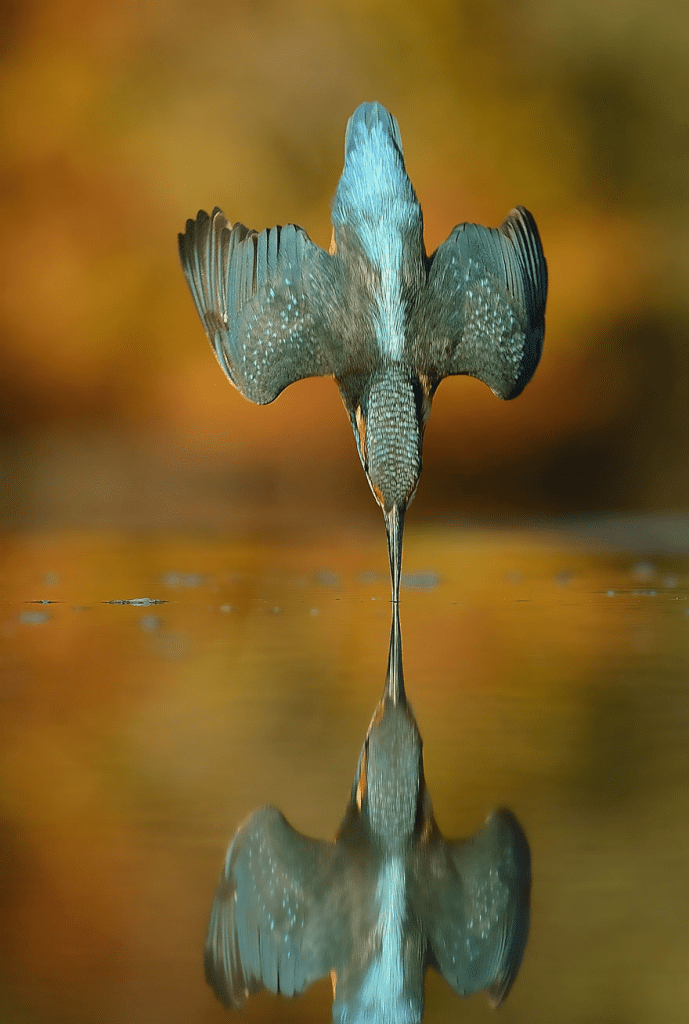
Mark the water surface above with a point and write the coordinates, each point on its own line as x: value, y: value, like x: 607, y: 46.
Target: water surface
x: 548, y: 672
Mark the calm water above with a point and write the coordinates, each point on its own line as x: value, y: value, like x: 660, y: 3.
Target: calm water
x: 548, y: 672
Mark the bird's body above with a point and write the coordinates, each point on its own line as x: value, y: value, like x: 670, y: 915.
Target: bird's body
x: 374, y: 909
x: 376, y: 313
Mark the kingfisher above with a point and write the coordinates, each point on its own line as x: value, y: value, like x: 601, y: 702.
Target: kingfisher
x: 389, y: 898
x: 375, y: 312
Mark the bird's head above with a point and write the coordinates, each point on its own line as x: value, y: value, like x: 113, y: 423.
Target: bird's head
x: 389, y: 426
x: 389, y: 783
x: 389, y: 779
x: 388, y: 415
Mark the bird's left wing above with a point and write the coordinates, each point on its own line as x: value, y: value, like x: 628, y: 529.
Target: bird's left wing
x: 267, y: 302
x: 473, y: 898
x: 486, y: 297
x: 270, y: 923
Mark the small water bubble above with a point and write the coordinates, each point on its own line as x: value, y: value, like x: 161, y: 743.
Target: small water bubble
x: 34, y: 618
x: 327, y: 578
x: 425, y: 580
x: 149, y: 623
x: 182, y: 579
x: 515, y: 576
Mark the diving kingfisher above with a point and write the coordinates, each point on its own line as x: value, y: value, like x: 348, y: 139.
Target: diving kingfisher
x: 387, y: 899
x: 375, y: 312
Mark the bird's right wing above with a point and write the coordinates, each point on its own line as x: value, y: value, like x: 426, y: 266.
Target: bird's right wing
x: 266, y: 301
x: 474, y: 900
x: 270, y: 923
x: 487, y: 290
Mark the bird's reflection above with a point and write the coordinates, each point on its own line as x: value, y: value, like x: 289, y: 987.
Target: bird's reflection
x: 376, y: 313
x: 383, y: 902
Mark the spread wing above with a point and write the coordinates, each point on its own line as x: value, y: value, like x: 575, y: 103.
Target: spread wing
x: 270, y: 924
x: 487, y: 290
x: 266, y: 302
x: 474, y: 901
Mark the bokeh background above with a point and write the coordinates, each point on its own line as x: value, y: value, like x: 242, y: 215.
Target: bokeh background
x: 119, y: 121
x: 547, y: 665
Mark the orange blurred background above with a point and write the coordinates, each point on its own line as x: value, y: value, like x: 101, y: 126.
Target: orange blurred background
x: 121, y: 120
x: 544, y: 675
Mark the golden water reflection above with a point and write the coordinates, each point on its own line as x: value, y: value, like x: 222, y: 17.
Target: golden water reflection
x: 547, y: 675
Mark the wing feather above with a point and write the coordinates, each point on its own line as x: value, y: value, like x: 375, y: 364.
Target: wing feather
x: 271, y: 924
x: 266, y: 302
x: 474, y: 897
x: 487, y: 291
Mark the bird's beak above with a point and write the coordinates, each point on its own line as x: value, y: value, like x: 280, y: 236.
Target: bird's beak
x: 394, y: 526
x: 394, y: 684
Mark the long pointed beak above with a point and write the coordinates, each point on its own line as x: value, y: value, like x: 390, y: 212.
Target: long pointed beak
x: 394, y: 683
x: 394, y: 526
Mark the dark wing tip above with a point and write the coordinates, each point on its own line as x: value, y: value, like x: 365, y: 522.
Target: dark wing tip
x: 201, y: 222
x: 515, y: 867
x: 506, y: 834
x: 520, y: 227
x: 217, y: 981
x: 221, y: 964
x: 193, y: 231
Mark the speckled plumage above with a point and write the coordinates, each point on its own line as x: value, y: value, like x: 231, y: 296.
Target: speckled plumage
x: 385, y: 901
x: 278, y: 308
